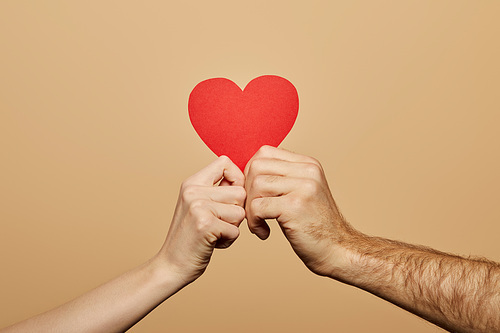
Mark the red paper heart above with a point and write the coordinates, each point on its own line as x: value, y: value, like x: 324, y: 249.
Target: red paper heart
x: 237, y: 123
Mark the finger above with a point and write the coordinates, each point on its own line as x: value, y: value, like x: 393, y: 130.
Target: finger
x: 234, y: 195
x: 280, y: 154
x: 260, y: 209
x: 276, y: 167
x: 266, y: 208
x: 258, y: 227
x: 228, y: 233
x: 228, y: 213
x: 221, y: 168
x: 273, y: 185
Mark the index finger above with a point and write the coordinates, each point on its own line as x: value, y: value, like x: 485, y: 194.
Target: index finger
x: 221, y: 168
x: 271, y: 152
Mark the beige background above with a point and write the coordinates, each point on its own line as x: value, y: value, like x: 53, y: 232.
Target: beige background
x: 399, y: 100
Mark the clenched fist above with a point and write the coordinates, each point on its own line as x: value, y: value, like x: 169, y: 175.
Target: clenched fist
x: 292, y: 189
x: 207, y: 216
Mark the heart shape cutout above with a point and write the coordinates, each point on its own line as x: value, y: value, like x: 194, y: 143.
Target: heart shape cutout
x: 235, y: 122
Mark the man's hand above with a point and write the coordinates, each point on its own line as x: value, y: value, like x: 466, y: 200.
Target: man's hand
x: 292, y: 189
x: 206, y: 216
x: 456, y: 293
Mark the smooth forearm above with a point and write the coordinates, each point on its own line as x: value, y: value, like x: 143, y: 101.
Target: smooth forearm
x: 206, y: 217
x: 112, y: 307
x: 456, y: 293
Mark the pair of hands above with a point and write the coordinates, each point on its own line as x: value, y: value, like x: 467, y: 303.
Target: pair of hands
x: 459, y: 294
x: 276, y: 184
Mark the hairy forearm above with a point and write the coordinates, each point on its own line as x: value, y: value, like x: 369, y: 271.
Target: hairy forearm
x: 459, y: 294
x: 112, y: 307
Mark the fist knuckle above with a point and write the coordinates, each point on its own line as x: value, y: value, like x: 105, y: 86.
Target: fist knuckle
x: 188, y: 192
x: 295, y: 201
x: 313, y: 170
x: 314, y: 161
x: 263, y: 150
x: 258, y: 182
x: 185, y: 184
x: 266, y: 149
x: 310, y: 187
x: 203, y: 224
x: 198, y: 207
x: 257, y: 165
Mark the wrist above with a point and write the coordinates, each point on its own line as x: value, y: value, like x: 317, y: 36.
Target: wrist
x: 361, y: 261
x: 164, y: 276
x: 347, y: 265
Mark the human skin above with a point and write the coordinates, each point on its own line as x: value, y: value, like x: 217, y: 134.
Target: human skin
x: 206, y: 217
x: 456, y: 293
